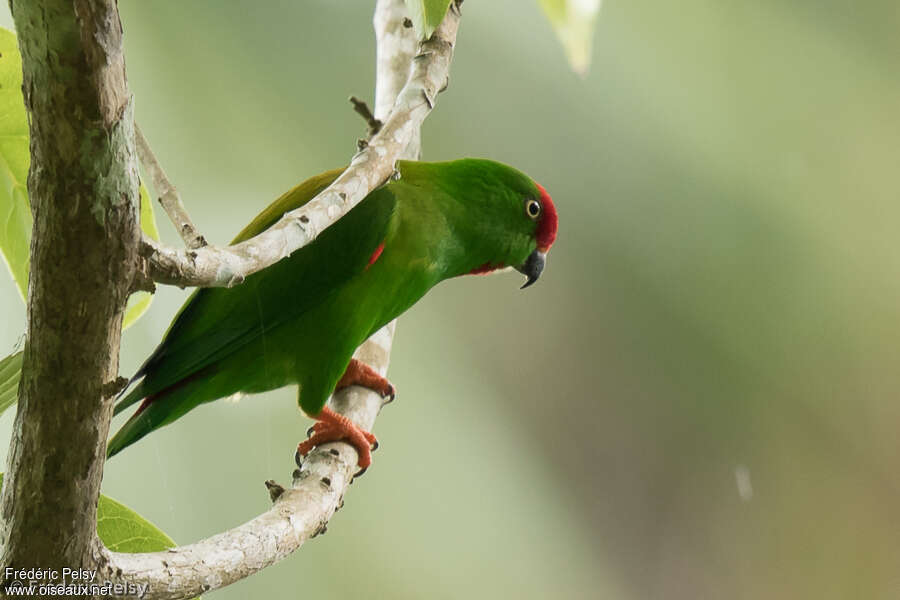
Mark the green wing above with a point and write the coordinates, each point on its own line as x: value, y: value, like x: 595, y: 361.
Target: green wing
x: 294, y: 198
x: 215, y: 322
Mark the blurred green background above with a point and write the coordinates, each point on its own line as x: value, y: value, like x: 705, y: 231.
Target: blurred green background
x: 699, y: 398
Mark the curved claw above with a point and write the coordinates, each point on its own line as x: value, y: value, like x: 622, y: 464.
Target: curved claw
x: 390, y: 395
x: 360, y: 472
x: 298, y: 458
x: 375, y: 446
x: 310, y: 431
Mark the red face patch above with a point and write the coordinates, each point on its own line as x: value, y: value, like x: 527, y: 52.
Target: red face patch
x: 546, y: 228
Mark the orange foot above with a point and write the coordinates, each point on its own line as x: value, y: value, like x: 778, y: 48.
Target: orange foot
x: 332, y: 427
x: 359, y: 373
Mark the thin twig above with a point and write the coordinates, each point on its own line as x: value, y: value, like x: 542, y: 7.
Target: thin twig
x: 169, y: 197
x: 362, y: 108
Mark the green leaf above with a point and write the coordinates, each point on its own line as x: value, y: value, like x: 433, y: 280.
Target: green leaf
x: 426, y: 15
x: 139, y: 302
x: 118, y: 527
x: 10, y: 373
x: 123, y: 530
x: 15, y: 213
x: 574, y: 22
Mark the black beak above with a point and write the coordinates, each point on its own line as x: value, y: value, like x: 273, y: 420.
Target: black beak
x: 532, y: 268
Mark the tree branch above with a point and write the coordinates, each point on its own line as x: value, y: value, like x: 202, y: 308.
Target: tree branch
x: 169, y: 197
x: 297, y: 515
x: 213, y: 266
x: 303, y: 511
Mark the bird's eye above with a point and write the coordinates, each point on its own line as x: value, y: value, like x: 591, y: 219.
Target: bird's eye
x: 533, y: 208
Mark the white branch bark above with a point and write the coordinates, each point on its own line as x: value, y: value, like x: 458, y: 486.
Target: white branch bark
x: 317, y: 491
x: 213, y: 266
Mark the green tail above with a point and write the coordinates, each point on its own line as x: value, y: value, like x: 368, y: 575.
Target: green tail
x: 139, y: 425
x: 160, y: 408
x: 143, y: 421
x: 136, y: 394
x: 131, y: 431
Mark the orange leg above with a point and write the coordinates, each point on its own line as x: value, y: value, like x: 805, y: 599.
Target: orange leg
x: 359, y: 373
x: 332, y: 427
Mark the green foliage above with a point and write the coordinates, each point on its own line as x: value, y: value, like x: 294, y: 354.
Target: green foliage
x: 15, y: 214
x: 426, y: 15
x: 10, y: 373
x: 123, y: 530
x: 15, y: 211
x: 574, y: 22
x: 139, y: 302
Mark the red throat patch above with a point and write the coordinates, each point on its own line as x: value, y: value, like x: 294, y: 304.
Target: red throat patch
x: 485, y: 269
x: 547, y: 224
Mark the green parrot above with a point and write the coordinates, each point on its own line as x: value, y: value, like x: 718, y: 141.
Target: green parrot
x: 300, y: 320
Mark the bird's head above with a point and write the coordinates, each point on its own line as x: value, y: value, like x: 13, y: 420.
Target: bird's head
x: 523, y: 222
x: 516, y: 219
x: 501, y: 218
x: 540, y: 210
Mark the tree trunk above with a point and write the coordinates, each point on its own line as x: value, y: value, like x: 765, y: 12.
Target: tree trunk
x: 83, y: 186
